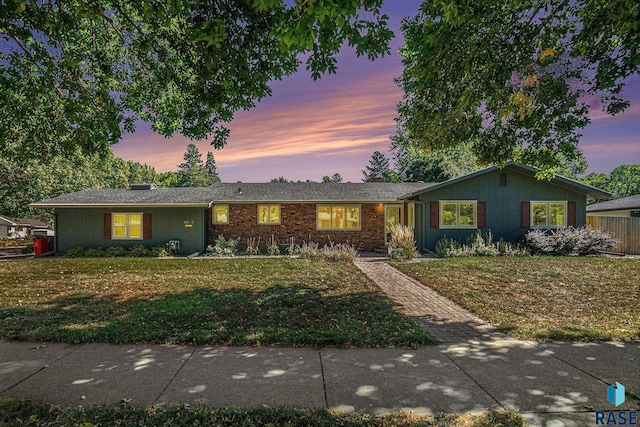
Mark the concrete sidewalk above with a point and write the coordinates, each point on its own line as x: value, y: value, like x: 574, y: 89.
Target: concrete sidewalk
x: 551, y: 383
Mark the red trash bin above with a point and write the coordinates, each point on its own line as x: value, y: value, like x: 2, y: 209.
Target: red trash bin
x: 39, y: 246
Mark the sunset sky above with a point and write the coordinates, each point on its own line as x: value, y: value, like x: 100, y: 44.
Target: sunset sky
x: 308, y: 128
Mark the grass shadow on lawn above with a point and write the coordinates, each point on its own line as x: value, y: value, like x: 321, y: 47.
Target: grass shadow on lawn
x: 278, y: 315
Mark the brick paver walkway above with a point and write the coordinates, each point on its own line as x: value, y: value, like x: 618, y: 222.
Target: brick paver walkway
x: 439, y: 316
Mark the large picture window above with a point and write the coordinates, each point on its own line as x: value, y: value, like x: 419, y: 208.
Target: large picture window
x: 338, y: 217
x: 548, y: 214
x: 268, y: 214
x: 220, y: 214
x: 458, y: 213
x: 126, y: 226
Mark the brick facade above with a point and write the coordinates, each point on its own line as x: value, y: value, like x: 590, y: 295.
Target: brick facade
x: 299, y: 221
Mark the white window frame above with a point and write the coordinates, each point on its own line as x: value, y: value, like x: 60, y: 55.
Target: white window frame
x: 331, y: 206
x: 457, y: 203
x: 127, y: 237
x: 548, y: 203
x: 213, y: 214
x: 269, y: 206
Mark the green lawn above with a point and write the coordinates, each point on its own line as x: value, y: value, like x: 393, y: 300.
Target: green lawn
x: 201, y: 301
x: 20, y: 412
x: 575, y: 298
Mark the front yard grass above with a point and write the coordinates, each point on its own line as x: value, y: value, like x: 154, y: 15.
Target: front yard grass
x: 201, y: 301
x: 26, y: 412
x: 574, y: 298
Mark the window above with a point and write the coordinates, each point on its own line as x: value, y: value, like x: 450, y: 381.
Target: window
x: 634, y: 214
x: 338, y: 217
x: 458, y: 214
x: 503, y: 179
x: 220, y: 214
x: 126, y: 226
x: 268, y: 214
x: 549, y: 214
x: 411, y: 215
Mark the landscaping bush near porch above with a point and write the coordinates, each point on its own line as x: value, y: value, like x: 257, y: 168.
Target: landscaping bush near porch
x: 575, y: 298
x: 198, y: 301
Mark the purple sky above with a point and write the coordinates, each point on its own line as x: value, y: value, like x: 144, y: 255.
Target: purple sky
x: 308, y: 128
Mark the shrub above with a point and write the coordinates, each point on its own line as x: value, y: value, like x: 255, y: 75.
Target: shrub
x: 116, y: 251
x: 74, y: 253
x: 568, y: 241
x: 403, y: 245
x: 137, y: 251
x: 94, y: 253
x: 223, y: 247
x: 159, y: 252
x: 478, y: 244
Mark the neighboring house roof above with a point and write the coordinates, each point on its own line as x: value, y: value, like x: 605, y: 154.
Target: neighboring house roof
x: 631, y: 202
x: 5, y: 220
x: 33, y: 223
x: 237, y: 193
x: 22, y: 222
x: 589, y: 191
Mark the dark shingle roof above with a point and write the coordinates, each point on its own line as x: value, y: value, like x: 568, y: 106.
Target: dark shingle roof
x: 238, y: 193
x: 631, y: 202
x: 314, y: 192
x: 123, y: 197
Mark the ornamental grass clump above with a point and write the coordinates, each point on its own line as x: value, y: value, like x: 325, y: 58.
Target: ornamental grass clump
x: 479, y: 244
x: 253, y: 246
x: 310, y: 250
x: 403, y: 245
x: 341, y: 252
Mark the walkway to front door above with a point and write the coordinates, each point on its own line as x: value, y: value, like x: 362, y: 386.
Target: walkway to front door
x: 443, y: 319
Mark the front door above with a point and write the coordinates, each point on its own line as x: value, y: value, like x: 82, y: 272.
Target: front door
x: 392, y: 216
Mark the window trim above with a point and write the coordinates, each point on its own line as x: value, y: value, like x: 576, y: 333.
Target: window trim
x: 269, y: 206
x: 127, y: 225
x: 548, y: 212
x: 213, y: 214
x: 473, y: 226
x: 345, y: 206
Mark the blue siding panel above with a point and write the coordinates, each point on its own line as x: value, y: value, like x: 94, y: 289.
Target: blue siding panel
x: 83, y: 227
x: 503, y: 203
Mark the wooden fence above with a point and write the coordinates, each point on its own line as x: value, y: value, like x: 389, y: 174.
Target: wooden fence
x: 625, y: 229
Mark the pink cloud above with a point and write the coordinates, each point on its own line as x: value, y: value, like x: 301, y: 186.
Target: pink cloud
x: 348, y: 117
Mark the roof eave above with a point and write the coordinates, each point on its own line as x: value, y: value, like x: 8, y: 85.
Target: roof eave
x: 117, y: 205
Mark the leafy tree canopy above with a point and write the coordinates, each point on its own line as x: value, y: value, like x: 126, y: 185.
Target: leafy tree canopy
x: 507, y: 77
x: 79, y: 73
x: 623, y: 181
x: 336, y: 177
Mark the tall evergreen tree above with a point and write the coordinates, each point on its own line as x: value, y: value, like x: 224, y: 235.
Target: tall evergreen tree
x: 192, y: 173
x: 210, y: 167
x: 378, y: 168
